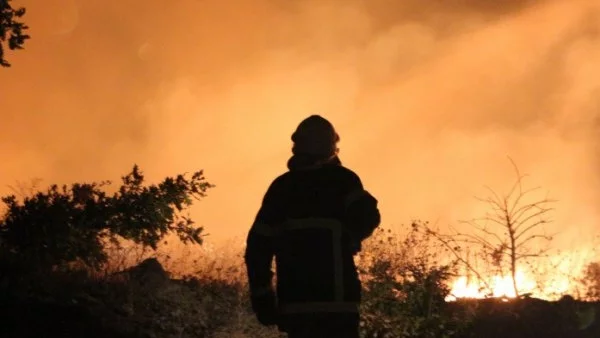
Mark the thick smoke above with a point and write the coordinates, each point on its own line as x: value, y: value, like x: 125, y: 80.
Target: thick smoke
x: 429, y: 98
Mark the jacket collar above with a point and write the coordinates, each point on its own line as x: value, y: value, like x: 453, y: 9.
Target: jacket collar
x: 307, y: 162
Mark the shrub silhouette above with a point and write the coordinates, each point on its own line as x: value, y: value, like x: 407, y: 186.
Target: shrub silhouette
x: 405, y: 286
x: 591, y: 281
x: 70, y: 224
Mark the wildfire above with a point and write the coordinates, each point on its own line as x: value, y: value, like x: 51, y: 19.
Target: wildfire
x: 557, y: 280
x: 498, y: 286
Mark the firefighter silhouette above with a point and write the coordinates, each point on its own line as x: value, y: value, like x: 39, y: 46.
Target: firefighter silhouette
x: 312, y: 220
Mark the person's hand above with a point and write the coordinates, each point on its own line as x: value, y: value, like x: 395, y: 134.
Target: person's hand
x: 265, y: 308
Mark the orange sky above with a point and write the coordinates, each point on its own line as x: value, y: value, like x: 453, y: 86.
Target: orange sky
x: 429, y: 98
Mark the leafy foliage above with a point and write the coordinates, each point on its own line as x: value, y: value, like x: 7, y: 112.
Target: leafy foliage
x: 405, y: 286
x: 70, y: 224
x: 11, y: 29
x: 591, y: 281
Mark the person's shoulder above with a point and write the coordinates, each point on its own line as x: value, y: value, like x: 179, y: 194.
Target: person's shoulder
x: 280, y: 180
x: 277, y: 186
x: 346, y: 170
x: 349, y: 175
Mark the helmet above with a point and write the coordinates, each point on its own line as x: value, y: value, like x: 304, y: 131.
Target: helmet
x: 316, y: 137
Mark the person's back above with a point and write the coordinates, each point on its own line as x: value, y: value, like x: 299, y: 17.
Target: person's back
x: 312, y: 220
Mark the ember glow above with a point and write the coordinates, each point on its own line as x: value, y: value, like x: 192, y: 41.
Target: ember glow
x: 501, y: 286
x: 554, y: 277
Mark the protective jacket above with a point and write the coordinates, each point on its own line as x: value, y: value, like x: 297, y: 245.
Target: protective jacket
x: 312, y: 221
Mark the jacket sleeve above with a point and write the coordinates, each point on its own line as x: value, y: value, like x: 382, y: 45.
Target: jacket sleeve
x: 259, y: 257
x: 362, y: 213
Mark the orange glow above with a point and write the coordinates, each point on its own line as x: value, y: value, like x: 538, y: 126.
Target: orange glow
x: 501, y: 286
x: 428, y: 97
x: 555, y: 276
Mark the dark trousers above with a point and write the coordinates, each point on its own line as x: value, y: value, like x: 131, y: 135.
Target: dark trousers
x: 331, y: 325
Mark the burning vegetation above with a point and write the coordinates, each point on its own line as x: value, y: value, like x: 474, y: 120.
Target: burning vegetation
x: 78, y: 260
x: 510, y: 237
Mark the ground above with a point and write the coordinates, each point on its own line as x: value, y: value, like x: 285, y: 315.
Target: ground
x: 144, y: 302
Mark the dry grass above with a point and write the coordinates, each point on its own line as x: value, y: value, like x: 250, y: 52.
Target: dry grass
x: 206, y: 297
x: 206, y: 294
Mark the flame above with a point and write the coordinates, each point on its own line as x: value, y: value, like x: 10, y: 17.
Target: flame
x: 557, y: 279
x: 499, y: 286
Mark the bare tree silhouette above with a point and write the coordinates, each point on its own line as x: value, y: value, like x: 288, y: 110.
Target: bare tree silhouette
x: 504, y: 236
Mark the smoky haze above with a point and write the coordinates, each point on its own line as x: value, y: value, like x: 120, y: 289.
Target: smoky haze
x: 429, y: 98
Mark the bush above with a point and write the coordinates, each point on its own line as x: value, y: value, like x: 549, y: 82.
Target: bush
x: 591, y: 281
x: 70, y: 224
x: 405, y: 286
